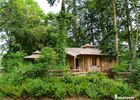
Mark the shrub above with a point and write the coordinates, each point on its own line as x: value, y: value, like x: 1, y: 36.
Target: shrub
x: 119, y: 68
x: 122, y: 89
x: 34, y: 87
x: 95, y: 77
x: 48, y: 57
x: 11, y: 90
x: 60, y: 90
x: 11, y: 61
x: 71, y: 79
x: 106, y: 88
x: 83, y: 87
x: 53, y: 80
x: 135, y: 74
x: 70, y: 89
x: 93, y: 85
x: 92, y: 90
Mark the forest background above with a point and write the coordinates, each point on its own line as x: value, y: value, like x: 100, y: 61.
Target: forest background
x: 107, y: 24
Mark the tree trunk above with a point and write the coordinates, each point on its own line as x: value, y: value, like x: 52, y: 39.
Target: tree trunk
x: 132, y: 35
x: 135, y: 40
x: 75, y: 33
x: 115, y: 30
x: 128, y: 24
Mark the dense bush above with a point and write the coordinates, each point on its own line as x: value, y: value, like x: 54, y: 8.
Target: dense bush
x: 11, y: 61
x: 134, y: 78
x: 122, y: 67
x: 48, y: 57
x: 93, y: 85
x: 30, y: 79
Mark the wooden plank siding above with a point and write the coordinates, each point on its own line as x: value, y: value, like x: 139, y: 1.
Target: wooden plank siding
x: 90, y: 62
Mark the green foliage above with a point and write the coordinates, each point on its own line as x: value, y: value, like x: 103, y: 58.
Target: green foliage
x: 92, y: 92
x: 12, y: 90
x: 107, y: 44
x: 11, y: 61
x: 135, y: 75
x: 22, y: 25
x: 120, y: 68
x: 124, y: 60
x: 48, y: 57
x: 70, y: 89
x: 60, y: 90
x: 62, y: 34
x: 62, y: 39
x: 88, y: 21
x: 94, y: 85
x: 34, y: 87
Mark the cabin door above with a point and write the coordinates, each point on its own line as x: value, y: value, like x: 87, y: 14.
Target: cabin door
x: 77, y: 63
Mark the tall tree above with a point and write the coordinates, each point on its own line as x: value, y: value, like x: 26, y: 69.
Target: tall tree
x: 22, y: 25
x: 135, y: 34
x: 115, y: 30
x: 73, y: 26
x: 62, y: 33
x: 132, y: 30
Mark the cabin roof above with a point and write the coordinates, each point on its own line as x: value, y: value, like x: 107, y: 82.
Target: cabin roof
x: 37, y: 52
x: 83, y: 51
x: 33, y: 56
x: 87, y: 46
x: 86, y: 49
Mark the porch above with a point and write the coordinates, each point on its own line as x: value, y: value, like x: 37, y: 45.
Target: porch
x: 84, y: 63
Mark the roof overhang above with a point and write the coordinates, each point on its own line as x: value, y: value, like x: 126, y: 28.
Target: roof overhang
x: 32, y: 57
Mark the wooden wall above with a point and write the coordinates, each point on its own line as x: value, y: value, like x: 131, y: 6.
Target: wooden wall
x: 70, y: 60
x: 107, y: 63
x: 89, y: 62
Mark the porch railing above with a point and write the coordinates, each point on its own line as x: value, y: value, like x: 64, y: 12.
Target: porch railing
x: 61, y: 73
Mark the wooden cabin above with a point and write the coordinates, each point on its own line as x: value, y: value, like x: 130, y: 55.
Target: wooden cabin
x: 86, y: 58
x: 89, y: 58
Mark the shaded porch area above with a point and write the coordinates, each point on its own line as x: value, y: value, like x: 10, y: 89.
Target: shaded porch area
x: 84, y: 62
x: 90, y: 62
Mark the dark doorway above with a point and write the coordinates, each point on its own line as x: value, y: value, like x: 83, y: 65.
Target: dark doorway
x: 77, y: 63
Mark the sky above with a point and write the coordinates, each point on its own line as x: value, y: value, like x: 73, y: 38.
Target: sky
x: 47, y: 8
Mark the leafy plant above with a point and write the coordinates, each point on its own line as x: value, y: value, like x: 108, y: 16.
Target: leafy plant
x: 70, y: 89
x: 12, y: 61
x: 93, y: 85
x: 48, y: 57
x: 34, y: 87
x: 122, y: 67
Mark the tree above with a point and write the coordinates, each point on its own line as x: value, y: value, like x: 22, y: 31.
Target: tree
x: 73, y: 35
x: 62, y: 33
x: 98, y: 24
x: 132, y: 30
x: 22, y: 25
x: 115, y: 30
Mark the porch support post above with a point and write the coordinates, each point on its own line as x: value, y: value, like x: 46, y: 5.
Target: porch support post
x: 101, y: 64
x: 74, y: 63
x: 83, y: 65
